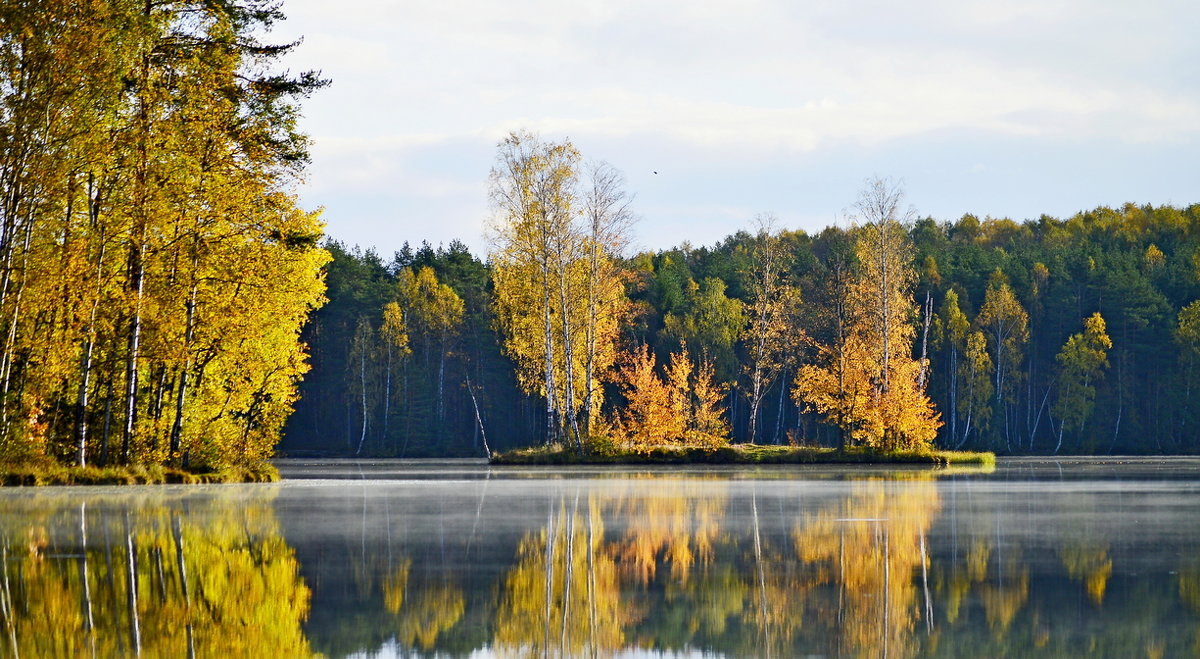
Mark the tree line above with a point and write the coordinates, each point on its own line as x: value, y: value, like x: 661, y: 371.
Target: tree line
x: 1076, y: 335
x: 155, y: 269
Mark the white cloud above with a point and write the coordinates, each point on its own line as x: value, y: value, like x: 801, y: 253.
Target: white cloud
x: 422, y: 90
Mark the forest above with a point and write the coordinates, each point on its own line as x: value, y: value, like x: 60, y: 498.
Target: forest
x: 155, y: 268
x: 1076, y: 335
x: 161, y: 291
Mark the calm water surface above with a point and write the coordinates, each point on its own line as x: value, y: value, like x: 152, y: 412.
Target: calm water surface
x: 405, y: 558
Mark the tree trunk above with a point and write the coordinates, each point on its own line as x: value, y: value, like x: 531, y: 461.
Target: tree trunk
x: 177, y: 426
x: 568, y: 358
x: 107, y: 433
x: 478, y: 418
x: 953, y: 393
x: 441, y: 382
x: 885, y: 325
x: 387, y: 394
x: 6, y: 361
x: 362, y: 379
x: 137, y: 272
x: 548, y: 337
x: 85, y: 373
x: 591, y: 323
x: 925, y: 341
x: 780, y: 412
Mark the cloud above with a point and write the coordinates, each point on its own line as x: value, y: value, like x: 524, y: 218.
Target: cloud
x: 727, y: 94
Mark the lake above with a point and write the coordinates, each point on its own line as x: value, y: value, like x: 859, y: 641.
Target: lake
x: 414, y: 558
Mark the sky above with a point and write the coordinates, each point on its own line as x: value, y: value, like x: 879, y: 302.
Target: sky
x: 720, y: 111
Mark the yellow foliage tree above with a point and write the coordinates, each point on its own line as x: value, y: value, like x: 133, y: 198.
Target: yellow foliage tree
x: 868, y: 383
x: 156, y: 271
x: 682, y: 409
x: 647, y: 420
x: 558, y: 288
x: 1006, y: 325
x: 1082, y: 361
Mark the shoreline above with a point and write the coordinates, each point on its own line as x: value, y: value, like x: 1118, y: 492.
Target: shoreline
x: 741, y: 454
x: 43, y: 475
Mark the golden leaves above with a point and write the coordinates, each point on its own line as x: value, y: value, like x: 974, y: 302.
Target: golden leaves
x: 681, y: 409
x: 867, y: 382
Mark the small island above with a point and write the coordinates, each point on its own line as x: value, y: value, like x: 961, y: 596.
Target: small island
x: 741, y: 454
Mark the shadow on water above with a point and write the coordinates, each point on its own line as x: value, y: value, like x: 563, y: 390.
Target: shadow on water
x: 1040, y: 558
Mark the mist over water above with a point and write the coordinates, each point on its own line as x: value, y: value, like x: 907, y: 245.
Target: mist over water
x: 411, y: 558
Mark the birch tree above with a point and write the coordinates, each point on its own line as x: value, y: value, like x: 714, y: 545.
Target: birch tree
x: 869, y: 383
x: 1006, y: 325
x: 770, y: 335
x: 609, y: 221
x: 559, y: 296
x: 154, y: 270
x: 1082, y: 361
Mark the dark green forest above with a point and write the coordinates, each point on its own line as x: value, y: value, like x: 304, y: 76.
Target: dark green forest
x: 1014, y: 365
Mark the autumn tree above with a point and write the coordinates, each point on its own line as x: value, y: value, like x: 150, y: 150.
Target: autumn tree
x: 393, y: 332
x: 875, y: 387
x: 559, y: 299
x: 974, y: 372
x: 156, y: 268
x: 954, y: 326
x: 609, y: 218
x: 434, y: 313
x: 1082, y: 361
x: 647, y: 419
x: 832, y: 386
x: 361, y: 374
x: 680, y: 407
x: 1006, y: 325
x: 771, y: 334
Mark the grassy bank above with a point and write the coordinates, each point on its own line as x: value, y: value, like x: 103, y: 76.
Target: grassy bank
x: 53, y: 474
x: 741, y: 454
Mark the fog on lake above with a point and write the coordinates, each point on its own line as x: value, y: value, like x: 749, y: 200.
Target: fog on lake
x: 410, y: 558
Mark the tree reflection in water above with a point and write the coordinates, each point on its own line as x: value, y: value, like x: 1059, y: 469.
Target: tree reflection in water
x: 871, y: 550
x: 154, y: 579
x: 562, y: 598
x: 911, y: 565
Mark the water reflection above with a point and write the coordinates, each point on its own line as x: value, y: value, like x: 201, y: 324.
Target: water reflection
x: 916, y: 564
x: 109, y: 575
